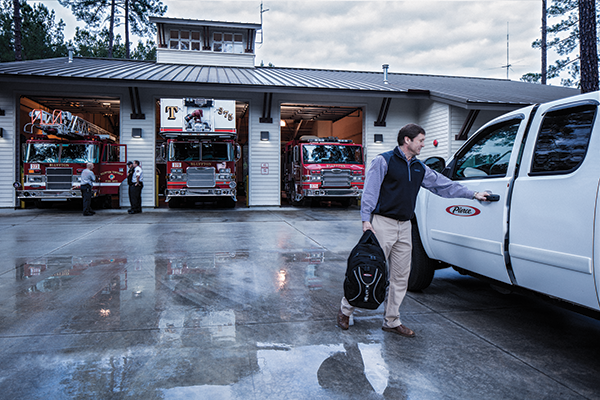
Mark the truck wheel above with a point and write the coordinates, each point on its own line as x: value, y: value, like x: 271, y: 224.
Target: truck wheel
x: 228, y: 202
x: 423, y: 267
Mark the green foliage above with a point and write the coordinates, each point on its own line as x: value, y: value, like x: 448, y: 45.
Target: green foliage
x: 96, y: 13
x: 89, y: 44
x: 564, y: 39
x: 42, y: 36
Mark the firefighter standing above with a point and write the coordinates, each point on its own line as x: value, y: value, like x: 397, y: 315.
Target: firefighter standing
x: 87, y: 183
x: 135, y: 187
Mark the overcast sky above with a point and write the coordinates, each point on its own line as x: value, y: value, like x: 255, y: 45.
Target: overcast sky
x: 466, y: 38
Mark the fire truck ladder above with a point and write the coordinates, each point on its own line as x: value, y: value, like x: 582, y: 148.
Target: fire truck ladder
x: 63, y: 123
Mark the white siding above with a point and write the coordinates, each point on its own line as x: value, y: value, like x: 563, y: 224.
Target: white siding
x: 208, y: 58
x: 400, y: 113
x: 141, y: 149
x: 264, y: 189
x: 7, y: 150
x: 435, y: 119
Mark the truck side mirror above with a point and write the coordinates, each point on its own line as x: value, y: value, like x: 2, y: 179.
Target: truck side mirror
x: 436, y: 163
x: 296, y: 158
x: 238, y: 152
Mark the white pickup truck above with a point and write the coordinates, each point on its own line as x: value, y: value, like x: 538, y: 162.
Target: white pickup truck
x: 542, y: 234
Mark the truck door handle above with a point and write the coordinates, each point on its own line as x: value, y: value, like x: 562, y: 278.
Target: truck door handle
x: 493, y: 197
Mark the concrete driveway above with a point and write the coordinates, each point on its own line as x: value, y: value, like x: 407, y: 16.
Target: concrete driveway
x: 241, y: 304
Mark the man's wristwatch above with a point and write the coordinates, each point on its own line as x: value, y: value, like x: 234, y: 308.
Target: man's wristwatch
x: 475, y: 195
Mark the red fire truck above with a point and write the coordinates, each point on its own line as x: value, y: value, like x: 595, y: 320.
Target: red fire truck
x: 319, y: 169
x: 57, y: 151
x: 201, y: 150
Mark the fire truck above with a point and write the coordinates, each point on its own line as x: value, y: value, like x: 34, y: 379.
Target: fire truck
x: 201, y: 151
x: 319, y: 169
x: 60, y: 146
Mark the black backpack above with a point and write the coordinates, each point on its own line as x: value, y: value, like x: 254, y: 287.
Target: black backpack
x: 366, y: 275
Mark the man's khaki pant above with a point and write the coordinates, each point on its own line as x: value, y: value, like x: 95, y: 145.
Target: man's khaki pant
x: 396, y: 241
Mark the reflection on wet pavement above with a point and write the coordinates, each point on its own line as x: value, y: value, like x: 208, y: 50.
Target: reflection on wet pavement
x: 172, y: 317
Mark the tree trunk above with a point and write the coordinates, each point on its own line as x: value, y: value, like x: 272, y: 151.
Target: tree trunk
x: 127, y: 29
x: 111, y: 30
x: 587, y: 46
x: 544, y: 42
x: 18, y: 32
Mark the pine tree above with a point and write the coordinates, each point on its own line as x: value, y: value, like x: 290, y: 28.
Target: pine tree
x: 565, y: 41
x: 96, y: 13
x: 41, y: 35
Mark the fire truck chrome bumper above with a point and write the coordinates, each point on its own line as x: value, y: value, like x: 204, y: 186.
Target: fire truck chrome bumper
x: 356, y: 193
x: 201, y: 192
x: 45, y: 194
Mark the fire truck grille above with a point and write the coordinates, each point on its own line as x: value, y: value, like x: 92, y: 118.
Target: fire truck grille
x: 59, y: 178
x: 201, y: 177
x: 336, y: 178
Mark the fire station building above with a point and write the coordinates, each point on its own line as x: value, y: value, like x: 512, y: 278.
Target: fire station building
x: 216, y: 60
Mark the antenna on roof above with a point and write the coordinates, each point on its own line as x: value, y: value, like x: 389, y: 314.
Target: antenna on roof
x: 262, y: 11
x: 507, y: 66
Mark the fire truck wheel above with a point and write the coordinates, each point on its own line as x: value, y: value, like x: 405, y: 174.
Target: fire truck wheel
x: 175, y: 203
x: 228, y: 202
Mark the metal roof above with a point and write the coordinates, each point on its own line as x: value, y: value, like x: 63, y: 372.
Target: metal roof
x: 465, y: 91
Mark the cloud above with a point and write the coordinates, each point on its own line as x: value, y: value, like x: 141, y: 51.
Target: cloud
x: 429, y: 37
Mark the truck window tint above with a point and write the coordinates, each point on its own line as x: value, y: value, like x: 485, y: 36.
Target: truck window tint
x: 184, y: 151
x: 79, y: 153
x: 563, y: 140
x: 489, y: 154
x: 112, y: 154
x: 331, y: 154
x: 215, y: 152
x: 42, y: 152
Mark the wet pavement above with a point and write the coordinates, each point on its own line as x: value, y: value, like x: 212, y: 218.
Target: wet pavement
x: 241, y: 304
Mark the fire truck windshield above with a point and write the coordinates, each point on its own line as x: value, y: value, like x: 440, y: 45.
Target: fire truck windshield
x: 194, y: 151
x: 62, y: 152
x: 331, y: 154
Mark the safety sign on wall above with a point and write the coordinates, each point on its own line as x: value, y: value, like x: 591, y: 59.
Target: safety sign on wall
x: 264, y: 169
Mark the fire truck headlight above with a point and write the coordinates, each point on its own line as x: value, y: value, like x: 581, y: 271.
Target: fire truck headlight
x: 34, y: 179
x: 176, y: 170
x: 225, y: 170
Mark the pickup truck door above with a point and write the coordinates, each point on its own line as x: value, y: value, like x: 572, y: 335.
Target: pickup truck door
x: 468, y: 233
x: 554, y: 203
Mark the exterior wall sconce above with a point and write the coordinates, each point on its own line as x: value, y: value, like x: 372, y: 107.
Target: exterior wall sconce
x: 264, y: 136
x: 1, y: 132
x: 378, y: 138
x: 136, y: 132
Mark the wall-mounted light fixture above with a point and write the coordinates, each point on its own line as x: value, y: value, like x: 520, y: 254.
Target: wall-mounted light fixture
x: 282, y: 123
x: 264, y: 136
x: 378, y: 137
x: 136, y: 132
x: 1, y: 132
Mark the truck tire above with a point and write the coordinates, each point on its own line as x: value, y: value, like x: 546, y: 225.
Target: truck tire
x: 423, y: 267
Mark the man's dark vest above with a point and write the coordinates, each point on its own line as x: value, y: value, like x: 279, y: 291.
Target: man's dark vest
x: 130, y: 177
x: 400, y: 186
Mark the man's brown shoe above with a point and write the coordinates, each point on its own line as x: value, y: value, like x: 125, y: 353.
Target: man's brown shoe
x: 400, y: 330
x: 343, y: 320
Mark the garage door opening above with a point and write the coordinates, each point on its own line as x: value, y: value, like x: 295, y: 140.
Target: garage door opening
x: 58, y: 136
x: 322, y: 158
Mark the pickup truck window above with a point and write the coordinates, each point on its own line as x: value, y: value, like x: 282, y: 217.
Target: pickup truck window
x: 489, y: 154
x: 563, y: 140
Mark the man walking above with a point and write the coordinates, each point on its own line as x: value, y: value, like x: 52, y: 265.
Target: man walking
x: 387, y: 206
x: 87, y: 184
x: 135, y: 190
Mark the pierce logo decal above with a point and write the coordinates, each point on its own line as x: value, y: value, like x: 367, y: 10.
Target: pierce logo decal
x: 463, y: 211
